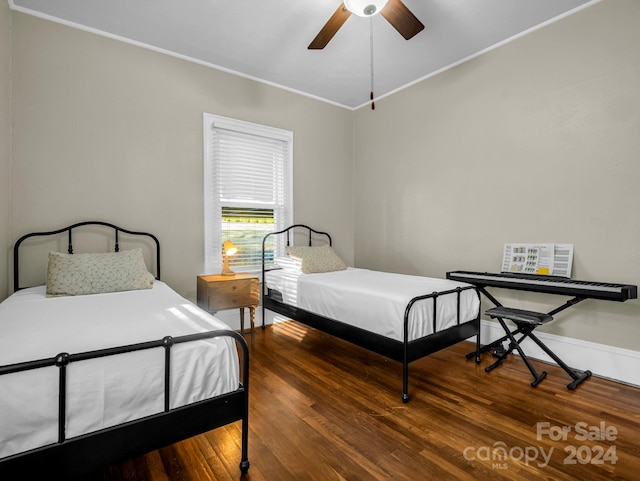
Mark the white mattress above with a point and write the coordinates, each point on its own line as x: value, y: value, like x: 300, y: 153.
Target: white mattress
x: 376, y: 301
x: 111, y: 390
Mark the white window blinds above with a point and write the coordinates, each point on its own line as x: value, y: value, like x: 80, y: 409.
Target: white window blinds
x: 247, y: 188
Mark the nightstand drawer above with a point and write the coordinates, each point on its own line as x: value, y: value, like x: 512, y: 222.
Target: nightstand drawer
x: 232, y: 294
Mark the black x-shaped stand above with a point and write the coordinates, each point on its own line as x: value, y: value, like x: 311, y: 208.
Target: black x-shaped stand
x: 526, y: 322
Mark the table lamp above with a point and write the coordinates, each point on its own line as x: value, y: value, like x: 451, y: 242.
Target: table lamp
x: 228, y: 250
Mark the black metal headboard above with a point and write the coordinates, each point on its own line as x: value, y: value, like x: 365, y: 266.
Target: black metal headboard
x: 290, y: 233
x: 69, y: 230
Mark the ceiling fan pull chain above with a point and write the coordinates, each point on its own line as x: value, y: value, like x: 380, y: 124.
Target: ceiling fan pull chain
x: 373, y: 104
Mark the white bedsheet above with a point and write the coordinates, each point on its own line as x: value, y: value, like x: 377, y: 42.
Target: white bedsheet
x: 376, y: 301
x: 111, y: 390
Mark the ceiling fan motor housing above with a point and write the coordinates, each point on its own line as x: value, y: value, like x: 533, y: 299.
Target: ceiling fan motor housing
x: 365, y: 8
x: 370, y: 10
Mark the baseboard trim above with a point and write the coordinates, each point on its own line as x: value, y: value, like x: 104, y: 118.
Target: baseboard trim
x: 609, y: 362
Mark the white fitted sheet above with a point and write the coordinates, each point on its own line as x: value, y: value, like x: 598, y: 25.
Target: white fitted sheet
x: 376, y: 301
x: 107, y: 391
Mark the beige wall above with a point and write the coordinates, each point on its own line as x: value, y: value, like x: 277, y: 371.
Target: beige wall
x: 5, y: 144
x: 535, y: 141
x: 111, y: 131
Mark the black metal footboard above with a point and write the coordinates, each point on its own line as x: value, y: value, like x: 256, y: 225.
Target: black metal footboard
x: 81, y: 455
x: 415, y: 349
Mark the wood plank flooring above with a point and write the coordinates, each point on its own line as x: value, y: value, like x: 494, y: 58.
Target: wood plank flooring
x: 322, y: 409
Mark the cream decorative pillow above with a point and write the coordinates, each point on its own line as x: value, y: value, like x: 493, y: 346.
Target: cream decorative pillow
x: 317, y: 259
x: 79, y: 274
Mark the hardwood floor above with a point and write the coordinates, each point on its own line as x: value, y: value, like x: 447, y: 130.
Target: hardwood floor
x: 323, y: 409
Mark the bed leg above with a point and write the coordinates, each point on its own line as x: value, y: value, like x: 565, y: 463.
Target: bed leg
x: 405, y: 382
x: 244, y: 462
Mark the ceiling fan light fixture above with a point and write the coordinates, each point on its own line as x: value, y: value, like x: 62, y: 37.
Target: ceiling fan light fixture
x: 365, y: 8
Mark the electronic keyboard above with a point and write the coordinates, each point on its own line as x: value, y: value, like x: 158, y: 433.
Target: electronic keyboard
x: 548, y: 284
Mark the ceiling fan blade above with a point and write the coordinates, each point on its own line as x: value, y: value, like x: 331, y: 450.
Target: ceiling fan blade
x: 405, y: 22
x: 330, y: 28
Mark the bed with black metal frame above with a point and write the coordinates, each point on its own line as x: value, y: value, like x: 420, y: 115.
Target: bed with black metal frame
x: 69, y: 458
x: 404, y: 351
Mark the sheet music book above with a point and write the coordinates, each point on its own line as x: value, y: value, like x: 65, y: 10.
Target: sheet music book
x: 542, y: 259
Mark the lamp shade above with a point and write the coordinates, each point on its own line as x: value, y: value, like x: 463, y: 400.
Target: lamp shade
x: 365, y: 8
x: 229, y: 248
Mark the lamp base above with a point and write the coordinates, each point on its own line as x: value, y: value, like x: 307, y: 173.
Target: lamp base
x: 226, y: 271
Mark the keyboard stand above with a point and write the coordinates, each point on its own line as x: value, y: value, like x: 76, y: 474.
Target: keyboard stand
x: 526, y: 322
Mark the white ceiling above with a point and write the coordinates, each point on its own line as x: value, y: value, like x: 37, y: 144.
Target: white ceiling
x: 267, y: 40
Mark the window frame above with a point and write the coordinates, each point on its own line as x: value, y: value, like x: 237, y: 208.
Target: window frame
x: 212, y: 227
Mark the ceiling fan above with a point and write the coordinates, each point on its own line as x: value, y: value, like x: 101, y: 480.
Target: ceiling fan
x: 396, y: 13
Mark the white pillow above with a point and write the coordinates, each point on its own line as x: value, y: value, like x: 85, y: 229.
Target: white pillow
x: 288, y: 263
x: 317, y: 259
x: 79, y: 274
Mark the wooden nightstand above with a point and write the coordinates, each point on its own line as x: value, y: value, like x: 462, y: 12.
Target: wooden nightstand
x: 218, y: 292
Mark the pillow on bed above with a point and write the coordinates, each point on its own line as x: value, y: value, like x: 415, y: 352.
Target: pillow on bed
x: 288, y: 263
x: 79, y: 274
x: 317, y: 259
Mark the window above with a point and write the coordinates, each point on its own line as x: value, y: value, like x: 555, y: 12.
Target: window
x: 247, y: 189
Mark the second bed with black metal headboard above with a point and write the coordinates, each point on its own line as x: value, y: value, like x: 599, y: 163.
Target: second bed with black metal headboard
x: 398, y: 316
x: 104, y: 362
